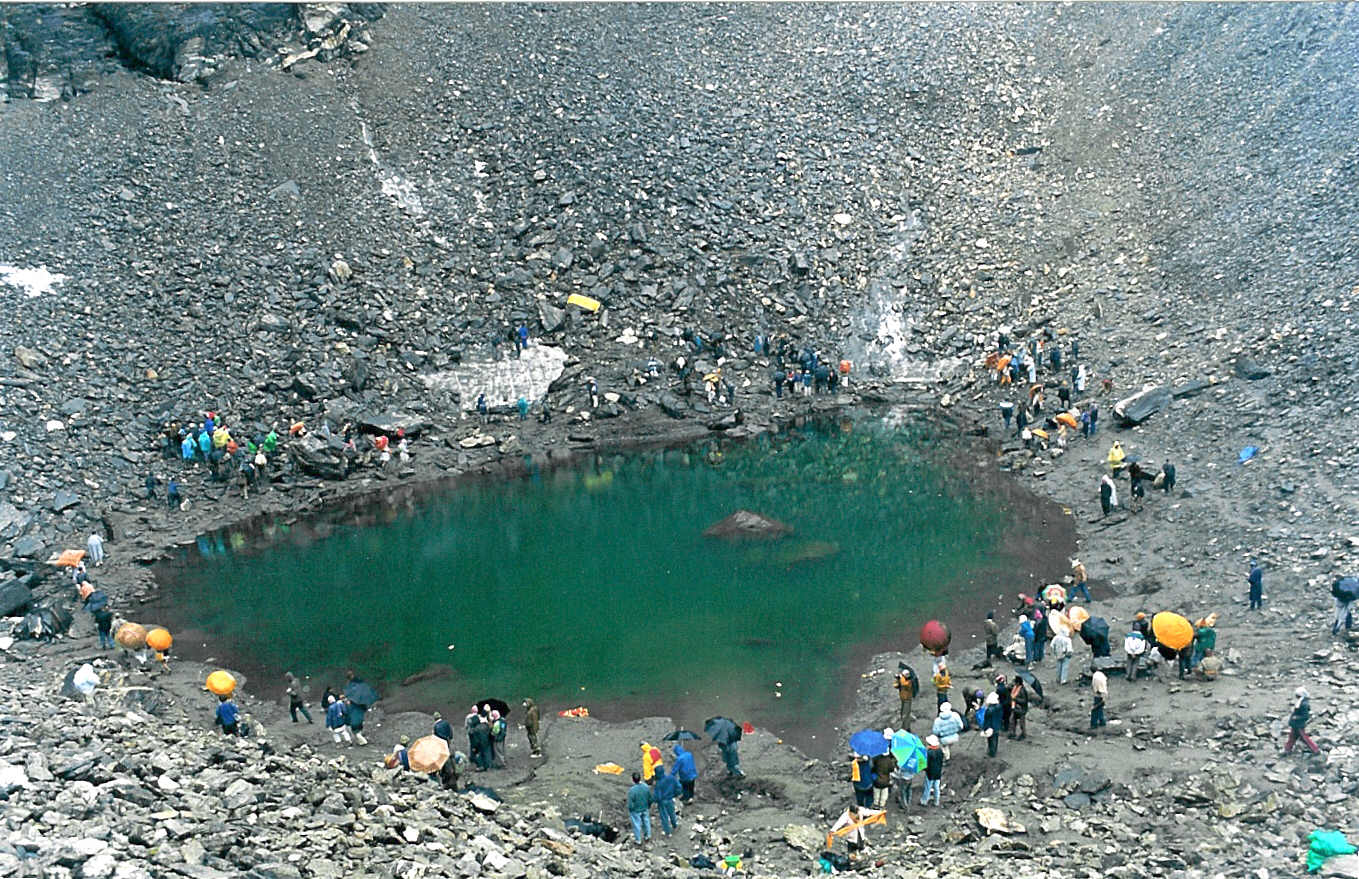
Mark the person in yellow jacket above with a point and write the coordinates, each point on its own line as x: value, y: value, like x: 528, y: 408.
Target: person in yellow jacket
x: 943, y: 682
x: 651, y: 758
x: 1116, y: 456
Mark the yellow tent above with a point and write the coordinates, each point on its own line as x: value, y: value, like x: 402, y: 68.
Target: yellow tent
x: 585, y: 302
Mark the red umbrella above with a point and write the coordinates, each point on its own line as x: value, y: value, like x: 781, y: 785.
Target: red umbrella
x: 934, y: 636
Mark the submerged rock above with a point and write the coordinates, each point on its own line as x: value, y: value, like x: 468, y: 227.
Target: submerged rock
x: 745, y: 525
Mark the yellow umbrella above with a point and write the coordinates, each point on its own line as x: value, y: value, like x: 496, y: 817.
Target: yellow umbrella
x: 427, y: 754
x: 221, y: 683
x: 159, y: 639
x: 1078, y: 616
x: 131, y: 635
x: 1172, y: 630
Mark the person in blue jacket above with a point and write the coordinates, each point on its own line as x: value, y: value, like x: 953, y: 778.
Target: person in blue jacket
x: 666, y: 789
x: 337, y: 721
x: 861, y: 776
x: 639, y: 808
x: 993, y: 721
x: 685, y: 771
x: 1026, y: 631
x: 443, y: 729
x: 228, y: 716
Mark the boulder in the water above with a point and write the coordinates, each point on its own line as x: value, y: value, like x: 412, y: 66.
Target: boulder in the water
x: 745, y: 525
x: 807, y: 551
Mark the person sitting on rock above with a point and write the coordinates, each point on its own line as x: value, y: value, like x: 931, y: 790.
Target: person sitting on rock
x: 1210, y: 666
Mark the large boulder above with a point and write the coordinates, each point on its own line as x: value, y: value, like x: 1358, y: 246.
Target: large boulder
x: 1141, y: 406
x: 14, y: 597
x: 388, y: 423
x: 314, y: 455
x: 745, y: 525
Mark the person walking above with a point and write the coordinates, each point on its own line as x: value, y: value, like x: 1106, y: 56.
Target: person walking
x: 227, y: 716
x: 685, y: 771
x: 337, y: 721
x: 934, y: 770
x: 639, y: 809
x: 172, y: 499
x: 1343, y: 590
x: 443, y: 729
x: 1166, y: 478
x: 1256, y: 579
x: 666, y: 789
x: 1134, y: 645
x: 94, y: 548
x: 908, y: 687
x: 1007, y: 411
x: 883, y: 767
x: 1019, y: 710
x: 1099, y: 687
x: 1079, y: 585
x: 1297, y: 722
x: 1026, y: 632
x: 993, y: 721
x: 1061, y: 651
x: 731, y: 756
x: 103, y: 622
x: 531, y: 721
x: 295, y: 703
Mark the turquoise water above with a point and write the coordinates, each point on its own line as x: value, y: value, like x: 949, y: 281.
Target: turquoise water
x: 597, y: 587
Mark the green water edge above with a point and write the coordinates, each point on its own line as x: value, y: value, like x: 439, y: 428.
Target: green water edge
x: 595, y: 586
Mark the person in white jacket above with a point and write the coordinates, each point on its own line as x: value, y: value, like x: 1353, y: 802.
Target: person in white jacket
x: 1061, y: 651
x: 1133, y: 647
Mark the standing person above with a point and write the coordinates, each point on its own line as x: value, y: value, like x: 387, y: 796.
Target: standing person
x: 1343, y: 591
x: 993, y: 721
x: 479, y: 737
x: 1297, y: 722
x: 666, y: 789
x: 103, y: 621
x: 593, y: 388
x: 1108, y: 494
x: 482, y: 408
x: 355, y: 711
x: 1094, y: 418
x: 732, y: 757
x: 1021, y: 420
x: 1134, y: 645
x: 522, y: 404
x: 943, y: 682
x: 908, y: 687
x: 639, y: 808
x: 1167, y: 479
x: 337, y: 721
x: 295, y: 703
x: 1061, y: 651
x: 934, y: 770
x: 1256, y: 579
x: 685, y: 771
x: 499, y: 729
x: 1007, y: 411
x: 522, y: 337
x: 531, y: 721
x: 443, y: 729
x: 1205, y: 639
x: 948, y: 726
x: 992, y: 638
x: 883, y: 767
x: 1040, y: 633
x: 1006, y: 707
x: 151, y: 483
x: 228, y: 716
x: 1099, y: 688
x: 1019, y: 710
x: 172, y: 498
x: 1026, y: 632
x: 861, y: 778
x: 1138, y: 491
x: 777, y: 376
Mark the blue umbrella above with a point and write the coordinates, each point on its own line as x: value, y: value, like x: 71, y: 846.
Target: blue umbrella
x: 868, y: 742
x: 361, y: 693
x: 909, y: 751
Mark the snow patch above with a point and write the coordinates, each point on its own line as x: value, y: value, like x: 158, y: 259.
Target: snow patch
x: 34, y: 282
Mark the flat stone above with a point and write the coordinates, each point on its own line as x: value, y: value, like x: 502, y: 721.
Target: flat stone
x: 64, y: 500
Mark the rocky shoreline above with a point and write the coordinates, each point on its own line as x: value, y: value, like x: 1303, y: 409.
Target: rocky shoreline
x: 1144, y: 179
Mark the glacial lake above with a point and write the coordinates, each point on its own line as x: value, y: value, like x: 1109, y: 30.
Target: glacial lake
x: 596, y: 586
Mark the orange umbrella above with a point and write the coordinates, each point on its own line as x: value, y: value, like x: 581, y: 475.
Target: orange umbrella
x: 221, y: 683
x: 1068, y: 419
x: 131, y: 635
x: 1172, y: 630
x: 1078, y: 616
x: 427, y: 754
x: 159, y: 639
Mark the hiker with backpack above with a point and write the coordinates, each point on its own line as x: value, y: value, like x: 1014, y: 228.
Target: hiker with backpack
x: 908, y: 687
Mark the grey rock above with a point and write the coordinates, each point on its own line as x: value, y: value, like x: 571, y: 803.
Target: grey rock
x: 1141, y: 406
x: 1249, y: 369
x: 64, y: 500
x: 550, y: 316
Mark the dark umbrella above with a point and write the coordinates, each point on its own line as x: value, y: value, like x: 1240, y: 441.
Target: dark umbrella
x: 97, y: 601
x: 1094, y: 629
x: 489, y: 705
x: 682, y: 735
x: 1346, y: 589
x: 360, y: 692
x: 723, y: 730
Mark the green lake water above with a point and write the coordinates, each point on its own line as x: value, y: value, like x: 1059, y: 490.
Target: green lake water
x: 597, y: 586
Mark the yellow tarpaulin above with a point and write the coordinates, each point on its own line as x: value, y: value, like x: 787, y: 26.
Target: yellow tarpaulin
x: 608, y: 769
x: 585, y: 302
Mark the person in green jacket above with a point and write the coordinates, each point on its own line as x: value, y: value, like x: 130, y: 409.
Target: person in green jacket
x: 1205, y: 638
x: 639, y: 808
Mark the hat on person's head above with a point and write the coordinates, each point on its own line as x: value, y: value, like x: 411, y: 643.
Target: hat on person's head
x: 495, y: 715
x: 1141, y: 616
x: 888, y: 733
x: 1000, y: 679
x: 945, y: 707
x: 1300, y: 692
x: 1075, y: 562
x: 932, y: 741
x: 990, y: 614
x: 405, y: 740
x: 1023, y: 618
x: 438, y: 716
